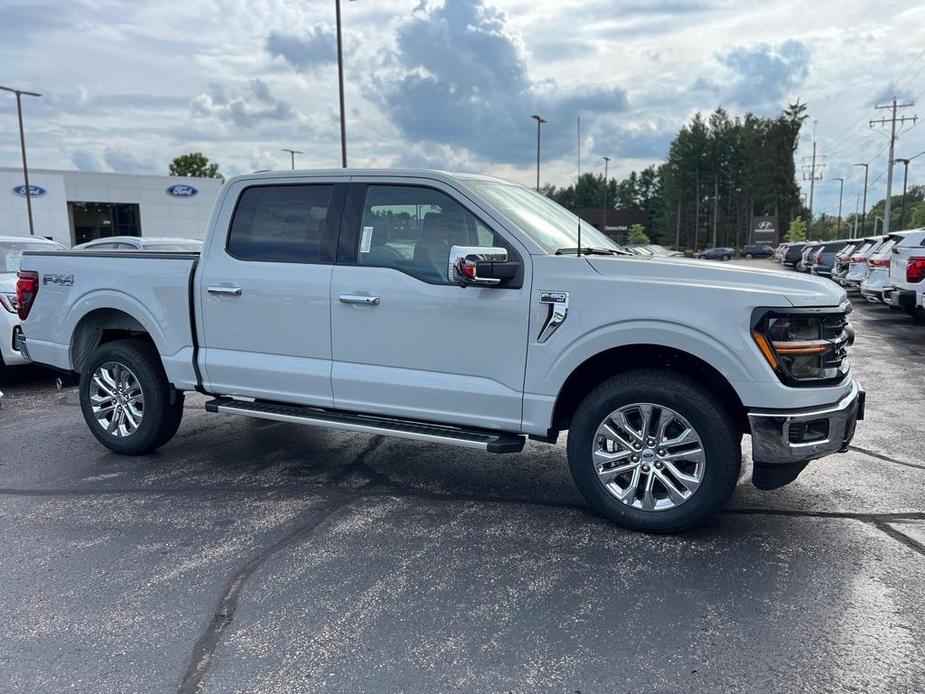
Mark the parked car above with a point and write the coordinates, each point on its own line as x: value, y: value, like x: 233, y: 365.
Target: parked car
x: 757, y: 250
x: 840, y: 267
x: 877, y: 280
x: 793, y: 254
x: 326, y: 299
x: 141, y: 243
x: 824, y: 257
x: 857, y: 263
x: 805, y: 264
x: 780, y: 251
x: 907, y: 273
x: 11, y: 250
x: 663, y: 252
x: 717, y: 253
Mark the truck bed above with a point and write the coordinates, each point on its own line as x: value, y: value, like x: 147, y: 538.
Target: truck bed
x: 154, y: 287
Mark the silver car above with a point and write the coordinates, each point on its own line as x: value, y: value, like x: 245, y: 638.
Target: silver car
x: 141, y: 243
x: 857, y: 264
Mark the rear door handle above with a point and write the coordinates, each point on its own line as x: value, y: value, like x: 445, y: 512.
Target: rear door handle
x: 359, y: 299
x: 229, y: 291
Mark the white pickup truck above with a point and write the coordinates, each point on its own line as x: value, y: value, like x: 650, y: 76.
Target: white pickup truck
x: 456, y: 309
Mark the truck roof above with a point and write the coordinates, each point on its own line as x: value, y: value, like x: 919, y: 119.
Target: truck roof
x: 411, y: 173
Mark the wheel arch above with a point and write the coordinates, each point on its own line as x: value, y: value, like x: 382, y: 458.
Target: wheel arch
x: 102, y: 325
x: 610, y: 362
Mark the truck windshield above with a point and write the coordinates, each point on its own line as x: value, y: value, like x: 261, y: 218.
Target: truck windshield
x: 11, y: 252
x: 549, y: 224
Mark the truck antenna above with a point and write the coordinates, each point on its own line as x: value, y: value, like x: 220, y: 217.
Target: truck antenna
x: 577, y: 184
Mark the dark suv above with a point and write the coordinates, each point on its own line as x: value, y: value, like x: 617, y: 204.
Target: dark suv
x: 757, y: 250
x: 717, y: 253
x: 824, y: 257
x: 793, y: 255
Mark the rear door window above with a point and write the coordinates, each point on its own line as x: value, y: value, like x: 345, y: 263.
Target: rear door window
x: 283, y: 224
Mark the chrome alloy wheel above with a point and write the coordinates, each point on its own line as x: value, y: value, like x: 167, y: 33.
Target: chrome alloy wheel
x: 648, y: 456
x: 116, y: 399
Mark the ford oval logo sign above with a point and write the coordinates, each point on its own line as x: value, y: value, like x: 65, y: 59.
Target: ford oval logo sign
x: 34, y: 191
x: 181, y: 191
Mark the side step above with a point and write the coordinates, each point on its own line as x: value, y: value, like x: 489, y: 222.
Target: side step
x: 484, y: 439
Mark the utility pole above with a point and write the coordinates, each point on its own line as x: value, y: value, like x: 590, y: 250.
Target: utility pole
x: 697, y: 213
x: 22, y: 143
x: 539, y: 122
x: 902, y: 205
x: 604, y: 207
x: 677, y: 232
x: 811, y: 176
x: 841, y: 193
x: 292, y: 153
x: 715, y: 205
x: 864, y: 206
x: 893, y: 120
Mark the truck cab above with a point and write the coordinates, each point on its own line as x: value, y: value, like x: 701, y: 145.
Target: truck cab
x: 463, y: 309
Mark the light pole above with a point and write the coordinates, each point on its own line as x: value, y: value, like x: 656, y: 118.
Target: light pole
x: 340, y: 84
x: 841, y: 192
x: 22, y: 143
x: 864, y: 205
x: 539, y: 122
x: 604, y: 206
x: 902, y: 207
x: 292, y: 153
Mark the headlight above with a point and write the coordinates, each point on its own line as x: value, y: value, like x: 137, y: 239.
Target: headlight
x: 8, y: 301
x: 804, y: 347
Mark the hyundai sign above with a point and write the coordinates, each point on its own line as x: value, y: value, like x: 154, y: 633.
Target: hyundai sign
x: 181, y: 191
x: 34, y: 191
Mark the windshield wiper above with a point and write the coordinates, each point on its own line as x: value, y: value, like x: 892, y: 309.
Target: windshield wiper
x: 590, y: 250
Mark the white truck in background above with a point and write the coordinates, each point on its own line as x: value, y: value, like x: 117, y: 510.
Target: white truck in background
x: 461, y: 309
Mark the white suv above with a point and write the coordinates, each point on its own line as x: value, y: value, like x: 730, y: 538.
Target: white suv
x: 907, y: 272
x: 11, y: 249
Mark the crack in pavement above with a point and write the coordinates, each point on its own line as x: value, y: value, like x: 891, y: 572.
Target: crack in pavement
x: 886, y: 458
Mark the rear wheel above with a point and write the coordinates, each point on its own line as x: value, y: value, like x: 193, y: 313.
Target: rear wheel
x: 725, y: 257
x: 654, y: 451
x: 126, y: 399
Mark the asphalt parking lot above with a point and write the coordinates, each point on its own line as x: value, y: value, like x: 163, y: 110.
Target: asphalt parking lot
x: 256, y: 556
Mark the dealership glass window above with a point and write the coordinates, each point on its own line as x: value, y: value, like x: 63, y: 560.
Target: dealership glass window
x: 100, y: 220
x: 284, y: 223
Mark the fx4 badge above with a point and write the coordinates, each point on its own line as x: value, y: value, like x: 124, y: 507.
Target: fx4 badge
x: 558, y: 310
x: 60, y: 280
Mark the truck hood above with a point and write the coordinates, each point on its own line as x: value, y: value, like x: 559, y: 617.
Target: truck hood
x: 798, y: 289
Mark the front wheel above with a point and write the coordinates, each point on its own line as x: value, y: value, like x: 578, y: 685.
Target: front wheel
x: 749, y: 256
x: 654, y: 451
x: 725, y: 257
x: 126, y: 399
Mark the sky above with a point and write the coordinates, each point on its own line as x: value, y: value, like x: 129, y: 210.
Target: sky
x: 452, y: 84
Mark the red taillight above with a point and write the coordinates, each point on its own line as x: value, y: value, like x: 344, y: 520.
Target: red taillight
x: 915, y: 270
x: 27, y: 286
x: 879, y: 262
x: 854, y: 259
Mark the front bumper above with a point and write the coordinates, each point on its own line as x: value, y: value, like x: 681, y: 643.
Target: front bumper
x: 784, y: 441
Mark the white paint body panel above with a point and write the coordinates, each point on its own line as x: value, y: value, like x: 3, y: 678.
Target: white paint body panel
x: 431, y: 352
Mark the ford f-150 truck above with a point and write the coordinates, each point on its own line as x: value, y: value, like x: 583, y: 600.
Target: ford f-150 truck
x: 461, y: 309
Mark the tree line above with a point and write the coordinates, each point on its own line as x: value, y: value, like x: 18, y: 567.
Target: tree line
x: 719, y: 174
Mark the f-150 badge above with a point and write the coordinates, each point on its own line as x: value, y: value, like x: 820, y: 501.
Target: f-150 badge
x: 558, y: 310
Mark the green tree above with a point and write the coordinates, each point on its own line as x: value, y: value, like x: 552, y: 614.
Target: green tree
x: 194, y: 164
x: 797, y: 230
x: 917, y: 216
x: 637, y: 235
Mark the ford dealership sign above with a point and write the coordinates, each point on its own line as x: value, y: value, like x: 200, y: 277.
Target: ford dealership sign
x: 181, y: 191
x: 34, y: 191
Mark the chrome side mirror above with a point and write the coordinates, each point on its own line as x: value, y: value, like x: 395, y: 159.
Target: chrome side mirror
x: 475, y: 265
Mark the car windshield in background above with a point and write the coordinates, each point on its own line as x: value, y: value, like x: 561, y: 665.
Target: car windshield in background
x: 549, y: 224
x: 175, y: 247
x: 11, y: 252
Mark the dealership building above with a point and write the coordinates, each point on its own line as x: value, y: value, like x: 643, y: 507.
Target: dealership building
x: 72, y: 207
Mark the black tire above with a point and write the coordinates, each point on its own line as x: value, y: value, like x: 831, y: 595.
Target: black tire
x: 163, y: 407
x: 749, y: 256
x: 719, y: 436
x: 918, y: 315
x: 725, y: 257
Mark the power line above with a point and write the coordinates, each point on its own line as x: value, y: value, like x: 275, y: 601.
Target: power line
x: 892, y: 120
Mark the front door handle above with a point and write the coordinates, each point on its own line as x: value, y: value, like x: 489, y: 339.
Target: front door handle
x: 228, y: 291
x: 359, y: 299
